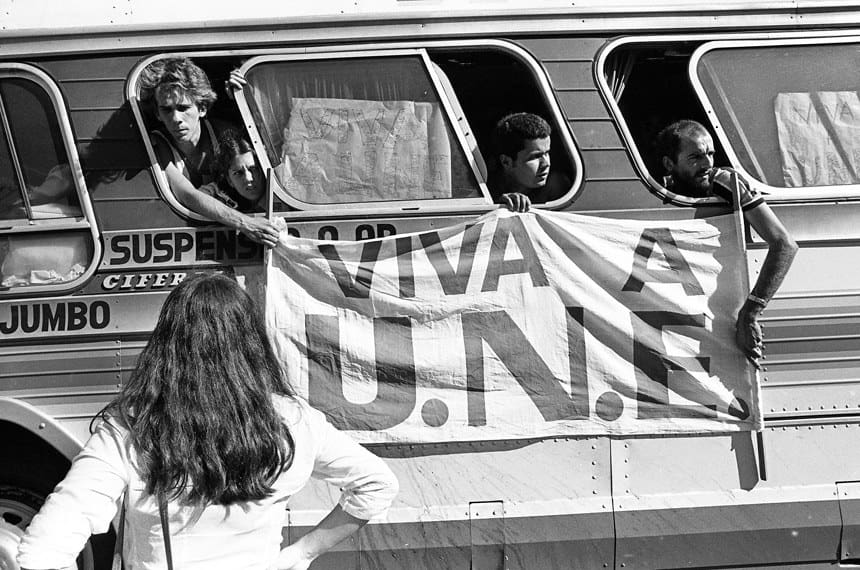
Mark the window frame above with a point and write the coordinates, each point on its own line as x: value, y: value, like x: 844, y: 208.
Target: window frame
x: 56, y: 226
x: 16, y: 162
x: 774, y: 193
x: 558, y: 120
x: 412, y: 205
x: 132, y: 95
x: 753, y: 38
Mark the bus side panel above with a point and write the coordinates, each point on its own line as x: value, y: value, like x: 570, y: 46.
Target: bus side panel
x: 610, y: 181
x: 687, y: 502
x: 70, y: 380
x: 701, y: 502
x: 539, y: 504
x: 113, y: 157
x: 811, y: 373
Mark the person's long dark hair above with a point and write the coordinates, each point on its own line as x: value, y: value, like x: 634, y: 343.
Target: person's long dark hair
x: 199, y: 406
x: 230, y: 145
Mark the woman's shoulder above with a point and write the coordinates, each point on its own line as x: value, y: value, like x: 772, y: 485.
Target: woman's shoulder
x: 111, y: 431
x: 220, y: 192
x: 294, y: 409
x: 110, y: 440
x: 300, y: 417
x: 110, y: 425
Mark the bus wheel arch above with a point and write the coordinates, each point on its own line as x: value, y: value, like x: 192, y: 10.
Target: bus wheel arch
x: 30, y: 468
x: 18, y: 506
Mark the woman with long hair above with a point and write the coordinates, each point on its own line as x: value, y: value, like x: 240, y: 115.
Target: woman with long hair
x: 239, y: 180
x: 209, y: 429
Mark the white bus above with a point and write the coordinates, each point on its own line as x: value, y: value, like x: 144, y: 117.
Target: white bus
x: 82, y: 276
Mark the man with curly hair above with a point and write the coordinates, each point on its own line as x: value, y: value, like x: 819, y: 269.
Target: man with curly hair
x: 186, y: 139
x: 521, y: 143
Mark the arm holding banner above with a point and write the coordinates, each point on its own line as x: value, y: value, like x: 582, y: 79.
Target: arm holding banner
x: 257, y: 229
x: 781, y: 251
x: 516, y: 201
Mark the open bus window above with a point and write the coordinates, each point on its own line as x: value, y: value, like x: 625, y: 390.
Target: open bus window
x: 784, y: 112
x: 650, y: 88
x: 489, y: 82
x: 45, y: 239
x: 183, y: 111
x: 790, y: 112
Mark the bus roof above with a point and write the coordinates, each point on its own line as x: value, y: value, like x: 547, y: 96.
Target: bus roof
x: 49, y: 17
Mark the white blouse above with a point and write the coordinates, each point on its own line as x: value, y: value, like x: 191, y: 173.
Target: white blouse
x: 245, y: 535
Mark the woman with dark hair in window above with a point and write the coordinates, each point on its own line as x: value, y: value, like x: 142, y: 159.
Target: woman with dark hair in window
x: 208, y: 430
x: 239, y: 181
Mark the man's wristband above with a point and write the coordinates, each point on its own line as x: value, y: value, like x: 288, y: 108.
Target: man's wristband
x: 757, y: 300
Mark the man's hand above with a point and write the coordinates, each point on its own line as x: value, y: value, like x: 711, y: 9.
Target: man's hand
x: 748, y: 332
x: 236, y: 82
x: 260, y: 230
x: 516, y: 202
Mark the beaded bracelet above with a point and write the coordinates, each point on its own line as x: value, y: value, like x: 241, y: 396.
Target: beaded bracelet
x: 757, y: 300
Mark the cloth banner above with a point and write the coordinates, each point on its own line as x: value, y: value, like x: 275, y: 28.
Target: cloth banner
x: 819, y: 137
x: 519, y: 326
x: 349, y: 150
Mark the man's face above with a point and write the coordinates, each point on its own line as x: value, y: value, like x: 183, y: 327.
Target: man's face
x: 530, y: 168
x: 180, y: 115
x: 691, y: 169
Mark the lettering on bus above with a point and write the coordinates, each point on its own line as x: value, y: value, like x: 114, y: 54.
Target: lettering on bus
x: 180, y: 247
x: 66, y: 316
x: 360, y: 232
x: 142, y: 281
x: 395, y: 358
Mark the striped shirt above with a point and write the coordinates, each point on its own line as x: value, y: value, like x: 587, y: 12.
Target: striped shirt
x: 724, y: 180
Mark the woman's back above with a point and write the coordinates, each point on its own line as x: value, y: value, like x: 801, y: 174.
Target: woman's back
x: 245, y: 535
x: 209, y: 424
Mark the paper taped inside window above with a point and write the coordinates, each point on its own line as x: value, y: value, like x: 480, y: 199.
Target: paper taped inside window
x: 819, y: 137
x: 348, y: 150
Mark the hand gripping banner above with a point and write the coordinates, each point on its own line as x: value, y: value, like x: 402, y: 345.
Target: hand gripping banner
x: 519, y: 326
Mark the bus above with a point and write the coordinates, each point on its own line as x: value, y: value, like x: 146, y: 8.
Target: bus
x: 92, y: 239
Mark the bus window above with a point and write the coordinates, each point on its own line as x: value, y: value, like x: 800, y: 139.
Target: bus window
x: 38, y: 182
x: 784, y: 112
x: 400, y: 128
x: 647, y: 86
x: 788, y: 113
x: 212, y: 115
x: 358, y: 129
x: 492, y: 80
x: 46, y: 242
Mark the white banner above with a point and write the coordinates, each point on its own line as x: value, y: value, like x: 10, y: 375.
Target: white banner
x: 348, y: 150
x: 518, y: 326
x: 819, y: 137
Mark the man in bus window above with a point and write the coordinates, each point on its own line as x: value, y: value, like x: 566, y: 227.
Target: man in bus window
x: 185, y: 142
x: 687, y: 152
x: 521, y: 143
